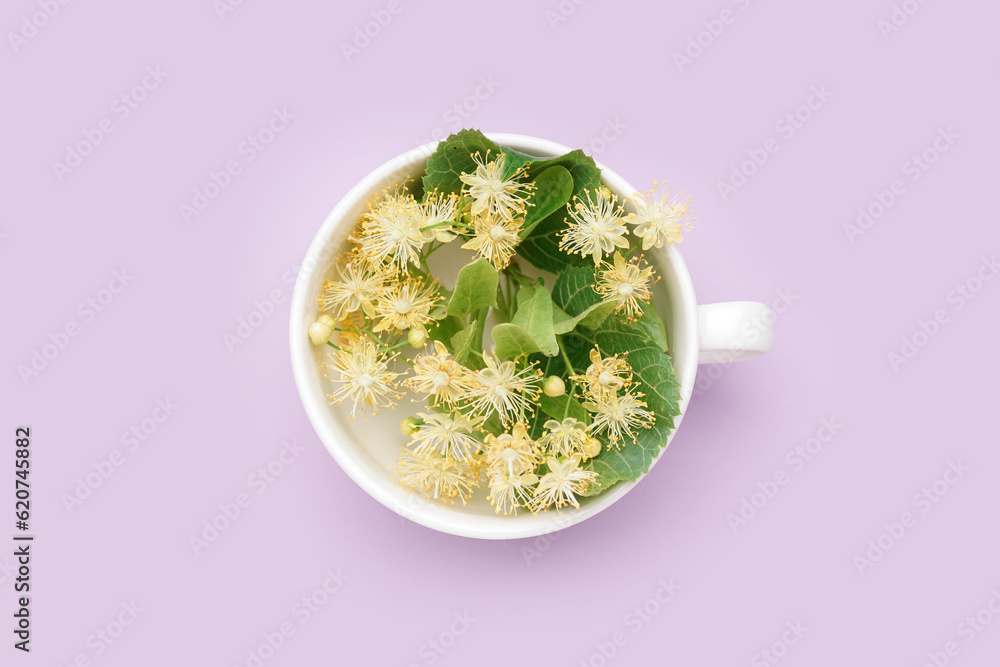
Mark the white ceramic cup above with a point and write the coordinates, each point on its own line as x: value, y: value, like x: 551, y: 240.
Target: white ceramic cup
x: 367, y: 449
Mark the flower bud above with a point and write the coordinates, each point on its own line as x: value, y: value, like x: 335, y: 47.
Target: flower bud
x: 417, y: 338
x: 321, y: 330
x: 605, y: 192
x: 591, y: 447
x: 554, y: 386
x: 409, y: 426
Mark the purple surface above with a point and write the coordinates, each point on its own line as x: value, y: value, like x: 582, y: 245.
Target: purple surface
x: 607, y: 70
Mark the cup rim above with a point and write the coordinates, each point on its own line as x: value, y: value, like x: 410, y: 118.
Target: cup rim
x: 332, y: 434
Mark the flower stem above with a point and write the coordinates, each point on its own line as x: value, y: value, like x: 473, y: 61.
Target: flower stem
x: 569, y: 366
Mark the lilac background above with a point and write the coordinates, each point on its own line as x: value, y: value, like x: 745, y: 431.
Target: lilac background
x: 552, y: 600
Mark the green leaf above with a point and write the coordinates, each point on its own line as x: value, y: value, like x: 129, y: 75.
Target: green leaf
x: 511, y: 340
x: 541, y: 247
x: 445, y: 329
x: 454, y: 156
x: 654, y: 375
x: 555, y: 407
x: 475, y: 288
x: 468, y: 339
x: 554, y: 187
x: 591, y: 318
x: 574, y: 289
x: 653, y: 324
x: 534, y: 315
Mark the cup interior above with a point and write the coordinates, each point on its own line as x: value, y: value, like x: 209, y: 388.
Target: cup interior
x: 367, y: 447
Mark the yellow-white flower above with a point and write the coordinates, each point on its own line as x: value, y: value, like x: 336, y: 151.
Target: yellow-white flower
x: 438, y: 210
x: 659, y: 217
x: 501, y: 388
x: 437, y: 476
x: 439, y: 375
x: 563, y: 483
x: 364, y: 375
x: 405, y: 304
x: 626, y: 283
x: 617, y: 416
x: 357, y: 288
x: 594, y: 227
x: 569, y: 438
x: 509, y: 492
x: 605, y: 375
x: 449, y: 435
x: 492, y: 191
x: 511, y: 453
x: 495, y: 238
x: 390, y: 234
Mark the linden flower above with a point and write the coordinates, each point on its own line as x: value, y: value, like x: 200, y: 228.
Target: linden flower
x: 447, y: 435
x: 562, y: 483
x: 511, y: 453
x: 390, y: 234
x: 495, y: 238
x: 605, y: 375
x: 439, y: 375
x: 406, y: 304
x: 438, y: 210
x: 509, y: 492
x: 570, y: 438
x: 503, y: 389
x: 595, y: 227
x: 357, y: 288
x: 491, y: 192
x: 618, y: 415
x: 627, y: 283
x: 438, y: 476
x: 364, y: 375
x: 659, y: 218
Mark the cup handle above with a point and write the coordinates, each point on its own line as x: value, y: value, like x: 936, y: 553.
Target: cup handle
x: 734, y: 330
